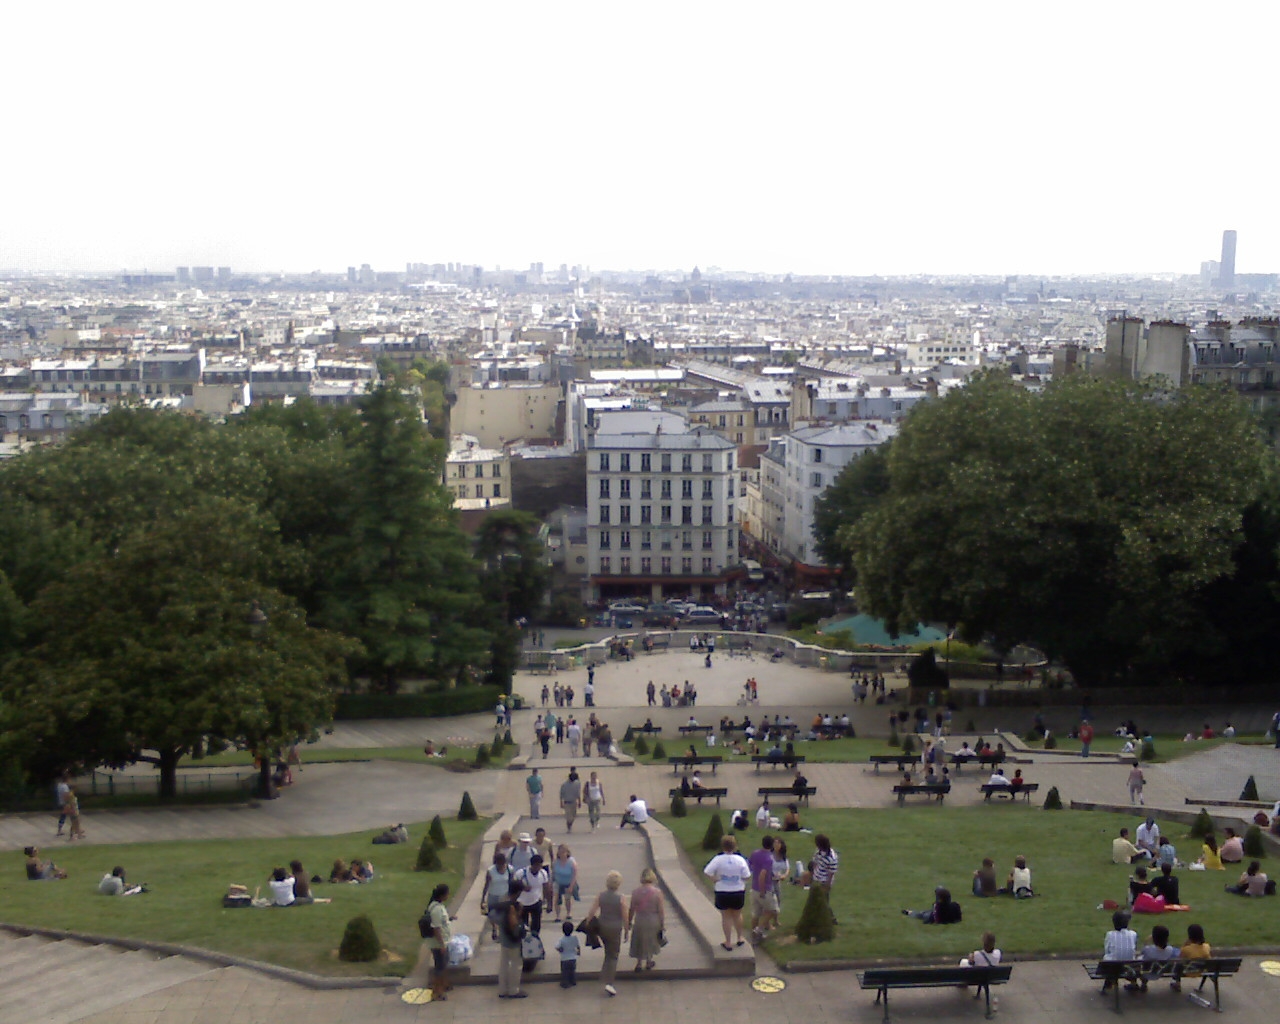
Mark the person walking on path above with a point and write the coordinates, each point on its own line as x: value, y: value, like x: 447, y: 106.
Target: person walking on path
x: 730, y: 872
x: 764, y: 899
x: 533, y: 786
x: 651, y: 691
x: 1136, y: 781
x: 647, y: 920
x: 438, y: 934
x: 593, y: 797
x: 61, y: 791
x: 1086, y: 737
x: 510, y: 938
x: 611, y: 912
x: 564, y: 881
x: 570, y: 799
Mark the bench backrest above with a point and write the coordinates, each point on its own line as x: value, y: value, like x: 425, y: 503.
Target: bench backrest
x: 925, y: 977
x: 1215, y: 965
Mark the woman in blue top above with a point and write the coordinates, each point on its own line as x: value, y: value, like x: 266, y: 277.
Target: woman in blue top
x: 564, y: 878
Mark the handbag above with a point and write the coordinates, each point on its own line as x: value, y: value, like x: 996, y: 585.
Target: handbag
x: 531, y: 947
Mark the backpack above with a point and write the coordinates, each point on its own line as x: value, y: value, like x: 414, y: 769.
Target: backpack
x: 531, y: 947
x: 425, y: 927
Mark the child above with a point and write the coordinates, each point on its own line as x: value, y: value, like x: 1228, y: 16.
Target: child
x: 1156, y: 950
x: 568, y: 947
x: 1121, y: 943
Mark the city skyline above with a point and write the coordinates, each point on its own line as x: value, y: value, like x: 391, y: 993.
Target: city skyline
x: 837, y: 140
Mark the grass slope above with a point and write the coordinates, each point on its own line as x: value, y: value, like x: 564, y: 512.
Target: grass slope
x: 188, y: 880
x: 892, y: 859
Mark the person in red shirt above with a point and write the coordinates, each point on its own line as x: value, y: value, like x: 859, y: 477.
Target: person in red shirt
x: 1208, y: 732
x: 1086, y: 738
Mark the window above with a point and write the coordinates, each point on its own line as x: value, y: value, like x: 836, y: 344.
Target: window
x: 666, y: 565
x: 706, y: 515
x: 606, y: 540
x: 686, y: 515
x: 462, y: 472
x: 462, y: 490
x: 686, y: 540
x: 666, y: 513
x: 706, y: 490
x: 815, y: 479
x: 645, y: 541
x: 646, y: 514
x: 739, y: 419
x: 646, y: 565
x: 707, y: 539
x: 479, y: 490
x: 729, y: 517
x: 686, y: 565
x: 831, y: 408
x: 624, y: 539
x: 706, y: 565
x: 666, y: 489
x: 497, y: 490
x: 817, y: 455
x: 604, y: 462
x: 624, y: 462
x: 624, y: 513
x: 604, y: 564
x: 645, y: 462
x: 479, y: 469
x: 729, y: 464
x: 686, y: 463
x: 646, y: 489
x: 624, y: 488
x: 722, y: 421
x: 686, y: 489
x: 729, y: 542
x: 604, y: 488
x: 666, y: 463
x: 604, y: 513
x: 666, y: 541
x: 624, y: 565
x: 707, y: 462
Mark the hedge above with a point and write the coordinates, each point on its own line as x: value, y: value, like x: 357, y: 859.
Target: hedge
x: 465, y: 700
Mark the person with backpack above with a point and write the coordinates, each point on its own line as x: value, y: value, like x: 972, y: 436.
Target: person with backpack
x: 531, y: 886
x: 434, y: 927
x: 511, y: 935
x: 496, y: 892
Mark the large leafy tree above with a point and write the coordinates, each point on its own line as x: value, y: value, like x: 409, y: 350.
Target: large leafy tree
x: 171, y: 640
x: 852, y: 494
x: 1085, y: 519
x: 513, y: 579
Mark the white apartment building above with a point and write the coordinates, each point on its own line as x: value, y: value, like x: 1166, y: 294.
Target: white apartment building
x: 662, y: 513
x: 476, y: 476
x: 814, y: 457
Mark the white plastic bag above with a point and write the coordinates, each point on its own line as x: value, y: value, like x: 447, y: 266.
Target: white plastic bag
x: 458, y: 949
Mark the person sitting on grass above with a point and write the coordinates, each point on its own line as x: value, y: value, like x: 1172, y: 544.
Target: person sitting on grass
x: 1121, y: 943
x: 114, y: 884
x: 1165, y: 885
x: 361, y: 871
x: 791, y: 821
x: 1253, y: 882
x: 1209, y: 855
x: 1155, y: 952
x: 1140, y: 884
x: 1124, y: 852
x: 1168, y: 853
x: 340, y: 872
x: 945, y: 910
x: 41, y: 870
x: 281, y: 883
x: 1019, y: 883
x: 1232, y: 851
x: 984, y: 879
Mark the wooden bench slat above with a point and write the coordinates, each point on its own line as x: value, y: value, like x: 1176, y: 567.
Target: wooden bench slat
x: 882, y: 979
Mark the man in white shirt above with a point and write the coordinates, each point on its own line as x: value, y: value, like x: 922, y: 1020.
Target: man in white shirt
x: 763, y: 814
x: 532, y: 884
x: 637, y: 813
x: 1149, y: 836
x: 997, y: 778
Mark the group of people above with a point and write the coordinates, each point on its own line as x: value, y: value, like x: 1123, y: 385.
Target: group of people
x: 1121, y: 943
x: 68, y: 808
x: 561, y: 696
x: 674, y: 696
x: 357, y: 872
x: 1017, y: 885
x: 581, y: 738
x: 292, y: 888
x: 763, y: 874
x: 865, y: 685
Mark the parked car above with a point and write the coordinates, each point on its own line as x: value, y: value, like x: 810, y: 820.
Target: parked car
x: 626, y: 608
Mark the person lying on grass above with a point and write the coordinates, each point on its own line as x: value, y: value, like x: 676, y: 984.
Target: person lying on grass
x: 945, y: 910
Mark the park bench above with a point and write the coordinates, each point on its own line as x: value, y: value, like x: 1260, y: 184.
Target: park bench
x: 685, y: 730
x: 657, y: 642
x: 984, y: 760
x: 901, y: 760
x: 1132, y: 971
x: 803, y: 797
x: 903, y: 791
x: 884, y: 978
x: 702, y: 791
x: 1026, y: 789
x: 785, y: 762
x: 686, y: 761
x: 648, y: 730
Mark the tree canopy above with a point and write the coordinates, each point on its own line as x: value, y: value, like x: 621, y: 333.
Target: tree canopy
x: 1086, y: 519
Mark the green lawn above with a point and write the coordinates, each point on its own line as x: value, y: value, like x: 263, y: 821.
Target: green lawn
x: 892, y: 859
x: 1169, y: 747
x: 188, y: 880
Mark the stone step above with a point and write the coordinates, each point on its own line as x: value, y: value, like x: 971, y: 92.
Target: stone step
x: 16, y: 950
x: 57, y: 969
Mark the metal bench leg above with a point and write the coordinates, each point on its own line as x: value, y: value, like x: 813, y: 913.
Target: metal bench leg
x: 885, y: 992
x: 986, y: 988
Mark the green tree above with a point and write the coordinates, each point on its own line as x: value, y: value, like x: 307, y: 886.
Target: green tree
x: 513, y: 580
x: 854, y: 492
x: 1084, y: 519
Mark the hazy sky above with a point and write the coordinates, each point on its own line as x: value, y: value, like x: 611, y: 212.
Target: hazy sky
x: 856, y: 138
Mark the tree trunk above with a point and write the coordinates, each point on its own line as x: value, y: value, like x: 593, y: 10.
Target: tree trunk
x: 168, y: 763
x: 266, y: 786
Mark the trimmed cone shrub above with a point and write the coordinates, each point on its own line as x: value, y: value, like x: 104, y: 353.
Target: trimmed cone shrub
x: 893, y: 737
x: 428, y: 856
x: 970, y: 727
x: 435, y: 832
x: 1031, y: 735
x: 360, y: 943
x: 1250, y: 791
x: 507, y: 741
x: 1053, y: 801
x: 816, y: 923
x: 1050, y: 741
x: 642, y: 746
x: 1148, y: 751
x: 679, y: 810
x: 496, y: 746
x: 467, y: 810
x: 659, y: 751
x: 715, y: 832
x: 908, y: 744
x: 1203, y: 825
x: 1253, y: 845
x: 630, y: 735
x: 482, y: 755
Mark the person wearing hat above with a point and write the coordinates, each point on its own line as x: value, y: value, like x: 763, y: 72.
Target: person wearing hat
x: 523, y: 853
x: 531, y: 885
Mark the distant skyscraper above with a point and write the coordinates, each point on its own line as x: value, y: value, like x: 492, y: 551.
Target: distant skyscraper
x: 1227, y: 271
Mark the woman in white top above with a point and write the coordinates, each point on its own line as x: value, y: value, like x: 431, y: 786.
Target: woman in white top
x: 281, y: 888
x: 987, y: 956
x: 730, y: 870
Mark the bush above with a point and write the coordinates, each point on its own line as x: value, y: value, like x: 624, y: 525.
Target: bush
x: 1050, y: 741
x: 715, y: 832
x: 482, y: 755
x: 436, y: 833
x: 467, y: 810
x: 1053, y: 801
x: 642, y: 746
x: 428, y: 855
x: 1032, y: 736
x: 1253, y: 845
x: 659, y: 751
x: 816, y: 923
x: 463, y: 700
x: 1203, y: 826
x: 360, y: 943
x: 507, y: 741
x: 1148, y: 751
x: 630, y: 735
x: 970, y: 727
x: 1250, y: 791
x: 496, y: 746
x: 678, y: 808
x: 909, y: 744
x: 924, y: 674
